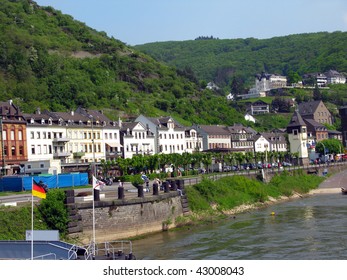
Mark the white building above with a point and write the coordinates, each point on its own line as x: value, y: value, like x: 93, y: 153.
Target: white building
x: 321, y: 80
x: 169, y: 135
x: 136, y: 139
x: 261, y: 144
x: 193, y: 141
x: 297, y: 136
x: 214, y: 137
x: 266, y: 82
x: 334, y: 77
x: 113, y: 147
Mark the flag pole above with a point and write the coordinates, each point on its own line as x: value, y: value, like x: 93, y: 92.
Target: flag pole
x: 32, y: 221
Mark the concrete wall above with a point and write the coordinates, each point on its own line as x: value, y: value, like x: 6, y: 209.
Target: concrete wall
x: 115, y: 220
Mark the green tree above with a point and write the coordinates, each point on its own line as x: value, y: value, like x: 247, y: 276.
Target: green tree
x: 332, y: 146
x: 317, y: 95
x: 54, y: 211
x: 206, y: 160
x: 293, y: 77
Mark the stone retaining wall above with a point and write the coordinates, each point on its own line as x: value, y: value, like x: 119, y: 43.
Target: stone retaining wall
x: 120, y: 219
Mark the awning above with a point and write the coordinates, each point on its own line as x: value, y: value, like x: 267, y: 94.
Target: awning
x: 114, y: 144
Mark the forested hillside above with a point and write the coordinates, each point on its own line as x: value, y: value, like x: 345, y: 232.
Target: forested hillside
x: 51, y: 61
x: 220, y: 60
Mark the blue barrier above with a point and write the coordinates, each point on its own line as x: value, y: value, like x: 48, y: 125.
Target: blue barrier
x: 11, y: 184
x: 18, y: 183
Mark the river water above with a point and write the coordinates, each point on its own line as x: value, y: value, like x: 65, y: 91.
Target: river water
x: 309, y: 228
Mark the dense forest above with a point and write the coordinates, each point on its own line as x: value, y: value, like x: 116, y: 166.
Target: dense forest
x: 51, y: 61
x: 221, y: 60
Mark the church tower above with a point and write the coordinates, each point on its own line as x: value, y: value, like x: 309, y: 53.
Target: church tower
x: 297, y: 136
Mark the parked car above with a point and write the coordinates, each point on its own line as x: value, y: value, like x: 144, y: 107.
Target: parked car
x: 235, y: 168
x: 227, y: 168
x: 285, y: 164
x: 245, y: 166
x: 252, y: 166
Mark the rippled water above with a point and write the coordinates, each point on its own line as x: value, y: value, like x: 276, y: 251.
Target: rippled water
x: 310, y: 228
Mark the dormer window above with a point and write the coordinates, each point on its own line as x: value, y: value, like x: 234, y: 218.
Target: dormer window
x: 32, y: 121
x: 50, y: 121
x: 43, y: 121
x: 80, y: 122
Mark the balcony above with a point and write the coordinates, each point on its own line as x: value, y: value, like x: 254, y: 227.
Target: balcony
x: 113, y: 154
x: 61, y: 139
x: 61, y: 154
x: 78, y: 154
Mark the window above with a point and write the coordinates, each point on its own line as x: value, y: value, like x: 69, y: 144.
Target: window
x: 38, y: 135
x: 12, y: 135
x: 42, y: 165
x: 21, y: 150
x: 4, y: 135
x: 33, y: 149
x: 13, y: 150
x: 32, y: 135
x: 20, y: 135
x: 5, y: 150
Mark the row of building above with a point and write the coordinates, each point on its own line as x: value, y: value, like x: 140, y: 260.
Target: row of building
x: 266, y: 82
x: 55, y: 142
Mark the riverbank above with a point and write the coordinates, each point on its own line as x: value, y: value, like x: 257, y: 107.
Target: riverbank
x: 227, y: 197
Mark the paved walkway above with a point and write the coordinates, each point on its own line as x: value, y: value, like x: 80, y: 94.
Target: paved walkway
x: 332, y: 184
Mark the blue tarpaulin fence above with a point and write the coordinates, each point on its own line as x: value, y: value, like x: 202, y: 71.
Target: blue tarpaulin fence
x: 18, y: 183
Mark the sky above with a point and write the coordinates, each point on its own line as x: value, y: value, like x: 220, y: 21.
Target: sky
x: 136, y: 22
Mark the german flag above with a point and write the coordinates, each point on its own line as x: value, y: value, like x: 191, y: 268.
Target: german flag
x: 38, y: 190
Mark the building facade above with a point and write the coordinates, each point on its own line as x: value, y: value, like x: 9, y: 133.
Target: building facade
x: 13, y: 148
x: 315, y: 110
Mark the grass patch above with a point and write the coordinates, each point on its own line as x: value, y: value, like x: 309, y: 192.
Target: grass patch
x: 230, y: 192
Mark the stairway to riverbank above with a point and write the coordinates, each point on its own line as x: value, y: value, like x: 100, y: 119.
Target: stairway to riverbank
x: 184, y: 202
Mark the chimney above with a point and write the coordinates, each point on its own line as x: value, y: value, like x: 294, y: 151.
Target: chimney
x: 38, y: 111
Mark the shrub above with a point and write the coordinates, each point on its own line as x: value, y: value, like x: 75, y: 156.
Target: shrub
x: 54, y: 212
